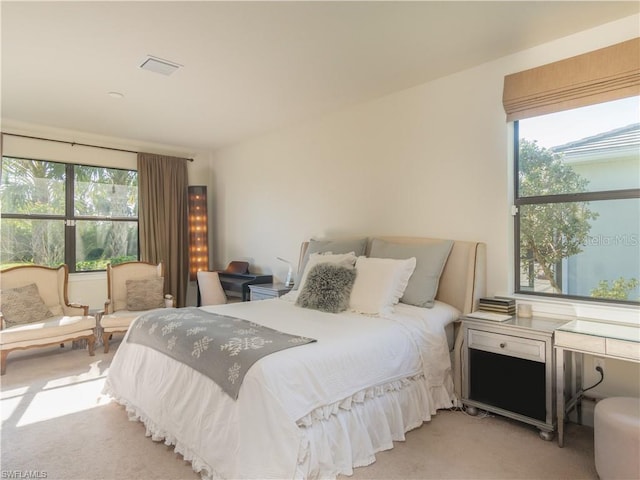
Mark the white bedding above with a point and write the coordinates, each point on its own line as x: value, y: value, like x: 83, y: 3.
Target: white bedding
x: 315, y: 410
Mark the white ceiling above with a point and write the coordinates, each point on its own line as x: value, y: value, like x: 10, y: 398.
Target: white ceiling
x: 250, y: 67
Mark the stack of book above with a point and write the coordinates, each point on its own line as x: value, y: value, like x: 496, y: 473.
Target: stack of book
x: 498, y: 305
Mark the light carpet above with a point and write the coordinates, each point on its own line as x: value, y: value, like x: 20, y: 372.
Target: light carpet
x: 57, y: 425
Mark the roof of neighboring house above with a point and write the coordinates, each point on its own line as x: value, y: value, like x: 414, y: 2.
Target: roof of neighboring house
x: 616, y: 140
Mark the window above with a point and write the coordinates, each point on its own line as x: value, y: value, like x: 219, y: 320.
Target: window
x: 54, y: 213
x: 577, y: 193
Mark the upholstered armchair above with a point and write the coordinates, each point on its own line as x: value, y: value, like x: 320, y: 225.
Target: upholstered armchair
x: 133, y: 289
x: 35, y: 310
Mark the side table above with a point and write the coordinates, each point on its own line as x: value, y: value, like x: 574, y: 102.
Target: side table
x: 98, y: 313
x: 82, y: 343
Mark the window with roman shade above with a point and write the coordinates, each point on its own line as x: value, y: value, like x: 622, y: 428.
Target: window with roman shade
x: 577, y: 175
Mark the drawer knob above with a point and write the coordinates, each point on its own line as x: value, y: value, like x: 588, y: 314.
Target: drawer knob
x: 502, y: 345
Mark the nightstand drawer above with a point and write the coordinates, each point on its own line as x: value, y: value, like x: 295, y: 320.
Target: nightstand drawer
x: 519, y: 347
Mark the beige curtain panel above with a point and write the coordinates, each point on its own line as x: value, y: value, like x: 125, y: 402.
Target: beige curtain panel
x: 162, y: 219
x: 603, y: 75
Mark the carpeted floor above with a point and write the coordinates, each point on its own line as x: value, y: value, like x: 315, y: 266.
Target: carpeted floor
x: 56, y: 424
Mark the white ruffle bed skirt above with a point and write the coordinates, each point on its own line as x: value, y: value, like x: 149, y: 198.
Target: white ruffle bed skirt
x: 341, y: 436
x: 348, y: 434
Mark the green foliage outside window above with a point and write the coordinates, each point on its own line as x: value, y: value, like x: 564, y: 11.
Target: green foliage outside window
x: 550, y: 232
x: 618, y: 290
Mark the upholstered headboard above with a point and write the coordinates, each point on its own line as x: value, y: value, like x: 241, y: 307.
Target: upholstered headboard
x: 463, y: 280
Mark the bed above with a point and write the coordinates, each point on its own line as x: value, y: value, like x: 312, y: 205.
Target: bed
x: 319, y: 409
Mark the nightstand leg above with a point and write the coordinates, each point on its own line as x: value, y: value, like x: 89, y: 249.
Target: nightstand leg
x: 545, y: 435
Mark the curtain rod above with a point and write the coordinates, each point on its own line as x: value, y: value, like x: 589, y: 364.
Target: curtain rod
x: 76, y: 143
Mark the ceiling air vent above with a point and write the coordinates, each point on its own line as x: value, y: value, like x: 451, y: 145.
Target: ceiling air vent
x: 158, y: 65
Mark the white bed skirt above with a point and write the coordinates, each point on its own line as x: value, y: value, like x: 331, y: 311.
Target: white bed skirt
x: 369, y: 422
x: 342, y: 436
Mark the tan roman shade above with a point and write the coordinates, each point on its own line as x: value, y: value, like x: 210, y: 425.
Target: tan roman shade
x: 603, y: 75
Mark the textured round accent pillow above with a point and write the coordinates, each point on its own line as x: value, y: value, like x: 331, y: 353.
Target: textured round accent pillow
x: 327, y: 288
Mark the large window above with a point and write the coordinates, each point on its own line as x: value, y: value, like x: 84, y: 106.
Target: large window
x: 577, y: 196
x: 54, y: 213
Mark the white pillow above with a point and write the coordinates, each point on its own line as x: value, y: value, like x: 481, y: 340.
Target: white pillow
x: 344, y: 259
x: 380, y: 283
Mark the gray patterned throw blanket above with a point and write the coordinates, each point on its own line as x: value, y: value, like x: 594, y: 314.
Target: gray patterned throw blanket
x: 221, y: 347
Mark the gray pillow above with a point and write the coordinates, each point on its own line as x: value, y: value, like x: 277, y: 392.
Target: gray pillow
x: 355, y: 245
x: 430, y: 261
x: 327, y: 288
x: 145, y: 293
x: 22, y: 305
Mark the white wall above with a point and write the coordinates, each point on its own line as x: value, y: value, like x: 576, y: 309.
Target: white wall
x: 429, y: 161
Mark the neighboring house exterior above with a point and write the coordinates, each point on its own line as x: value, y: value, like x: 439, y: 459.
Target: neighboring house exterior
x: 609, y: 161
